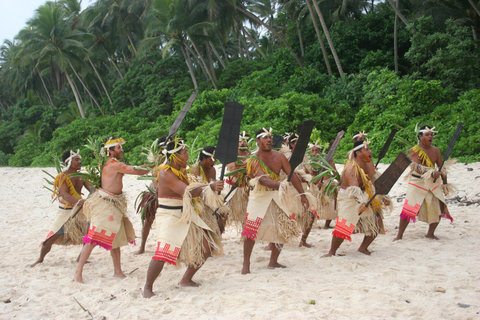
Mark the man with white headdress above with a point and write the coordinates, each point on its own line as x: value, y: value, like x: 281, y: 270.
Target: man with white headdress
x: 267, y: 218
x: 182, y: 235
x: 356, y: 187
x: 70, y: 224
x: 106, y: 210
x: 427, y: 186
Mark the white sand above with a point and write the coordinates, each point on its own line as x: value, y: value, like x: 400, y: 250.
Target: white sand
x: 401, y: 280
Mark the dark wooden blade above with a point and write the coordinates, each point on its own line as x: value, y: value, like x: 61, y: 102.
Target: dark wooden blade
x: 227, y: 146
x: 333, y: 147
x: 386, y: 181
x: 301, y: 145
x: 178, y: 121
x: 452, y: 142
x: 385, y: 147
x: 450, y: 146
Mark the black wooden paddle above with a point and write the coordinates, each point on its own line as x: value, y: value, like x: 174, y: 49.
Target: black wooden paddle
x: 301, y: 145
x: 385, y: 147
x: 227, y: 145
x: 178, y: 121
x: 450, y: 146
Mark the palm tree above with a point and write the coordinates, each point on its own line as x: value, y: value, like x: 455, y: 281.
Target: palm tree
x: 50, y: 42
x: 327, y: 35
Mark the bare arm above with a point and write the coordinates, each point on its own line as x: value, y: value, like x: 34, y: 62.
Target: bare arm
x: 126, y: 169
x: 63, y: 191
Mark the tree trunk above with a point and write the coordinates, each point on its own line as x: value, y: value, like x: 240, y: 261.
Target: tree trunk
x: 199, y: 63
x: 400, y: 15
x: 209, y: 56
x: 202, y: 61
x: 131, y: 43
x: 75, y: 93
x: 475, y: 7
x: 249, y: 36
x: 327, y: 35
x: 254, y: 17
x: 101, y: 81
x: 86, y: 88
x: 245, y: 44
x: 189, y: 66
x: 217, y: 55
x: 319, y: 37
x: 300, y: 39
x: 395, y: 38
x: 113, y: 62
x: 45, y: 88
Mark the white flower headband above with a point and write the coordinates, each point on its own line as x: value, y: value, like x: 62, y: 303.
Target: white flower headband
x: 361, y: 135
x: 365, y: 144
x: 264, y: 133
x: 211, y: 155
x: 68, y: 161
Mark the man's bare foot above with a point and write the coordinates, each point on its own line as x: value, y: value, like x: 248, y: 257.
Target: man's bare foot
x: 36, y: 262
x: 188, y: 283
x: 397, y: 238
x: 431, y: 236
x: 246, y: 269
x: 275, y: 265
x: 140, y: 251
x: 305, y: 244
x: 364, y: 251
x: 327, y: 227
x: 78, y: 278
x: 119, y: 275
x: 148, y: 293
x: 328, y: 255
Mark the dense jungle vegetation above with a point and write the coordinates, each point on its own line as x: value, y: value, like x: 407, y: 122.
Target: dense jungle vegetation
x: 126, y: 67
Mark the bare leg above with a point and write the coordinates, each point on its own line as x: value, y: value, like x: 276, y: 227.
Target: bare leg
x: 303, y: 241
x: 145, y: 231
x: 274, y: 257
x: 431, y: 230
x: 86, y: 251
x: 367, y: 240
x: 247, y: 252
x: 336, y: 242
x: 327, y: 224
x: 401, y: 229
x: 117, y: 267
x: 46, y: 247
x: 190, y: 272
x: 154, y: 269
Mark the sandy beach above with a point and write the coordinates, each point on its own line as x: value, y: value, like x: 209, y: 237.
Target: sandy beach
x: 415, y: 278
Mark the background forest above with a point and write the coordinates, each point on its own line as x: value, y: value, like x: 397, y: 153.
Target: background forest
x: 126, y: 67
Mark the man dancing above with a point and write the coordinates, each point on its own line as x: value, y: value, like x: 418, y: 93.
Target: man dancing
x: 182, y: 236
x: 356, y: 188
x: 425, y: 194
x: 67, y: 190
x: 267, y: 219
x: 106, y: 210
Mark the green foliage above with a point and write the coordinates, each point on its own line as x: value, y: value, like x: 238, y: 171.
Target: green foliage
x: 451, y: 56
x: 3, y: 159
